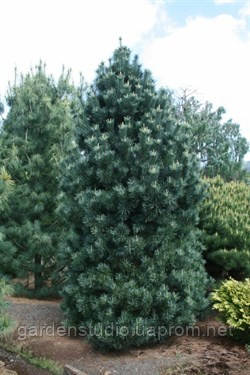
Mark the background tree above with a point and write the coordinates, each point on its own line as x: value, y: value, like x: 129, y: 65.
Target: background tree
x: 247, y: 166
x: 225, y: 224
x: 6, y: 185
x: 1, y: 112
x: 1, y: 108
x: 219, y: 145
x: 37, y: 128
x: 247, y: 169
x: 131, y: 190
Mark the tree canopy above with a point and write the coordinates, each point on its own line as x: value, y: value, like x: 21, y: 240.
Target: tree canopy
x: 218, y: 144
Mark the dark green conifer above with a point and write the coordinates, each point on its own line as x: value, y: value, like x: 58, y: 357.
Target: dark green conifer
x: 131, y: 191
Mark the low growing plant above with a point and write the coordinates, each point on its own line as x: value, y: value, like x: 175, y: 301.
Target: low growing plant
x: 232, y: 300
x: 40, y: 362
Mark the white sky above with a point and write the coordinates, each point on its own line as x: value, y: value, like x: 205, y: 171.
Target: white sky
x: 208, y: 54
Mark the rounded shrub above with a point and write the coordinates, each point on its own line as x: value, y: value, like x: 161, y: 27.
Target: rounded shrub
x: 232, y: 300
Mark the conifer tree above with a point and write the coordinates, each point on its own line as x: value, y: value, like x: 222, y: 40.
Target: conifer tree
x: 1, y: 108
x: 37, y: 128
x: 219, y: 146
x: 225, y: 223
x: 131, y: 190
x: 1, y: 113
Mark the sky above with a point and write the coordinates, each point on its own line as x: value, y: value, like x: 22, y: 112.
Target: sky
x: 202, y: 45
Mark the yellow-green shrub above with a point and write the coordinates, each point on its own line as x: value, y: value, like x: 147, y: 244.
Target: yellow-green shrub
x: 232, y: 300
x: 225, y: 225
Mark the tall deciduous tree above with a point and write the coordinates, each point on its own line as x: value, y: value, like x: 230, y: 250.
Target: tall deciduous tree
x: 131, y: 191
x: 33, y: 142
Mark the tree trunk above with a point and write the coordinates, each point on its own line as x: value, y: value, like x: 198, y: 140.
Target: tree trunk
x: 38, y: 272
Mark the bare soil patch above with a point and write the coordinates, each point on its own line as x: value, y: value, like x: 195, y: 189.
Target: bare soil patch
x: 206, y: 354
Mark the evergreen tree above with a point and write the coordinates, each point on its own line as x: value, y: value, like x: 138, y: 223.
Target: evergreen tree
x: 225, y: 225
x: 131, y: 191
x: 1, y: 108
x: 219, y: 145
x: 37, y: 128
x: 1, y: 112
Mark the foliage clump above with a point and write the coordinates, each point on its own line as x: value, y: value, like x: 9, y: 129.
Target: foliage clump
x: 5, y: 321
x: 232, y: 300
x: 219, y: 145
x: 225, y: 222
x: 6, y: 186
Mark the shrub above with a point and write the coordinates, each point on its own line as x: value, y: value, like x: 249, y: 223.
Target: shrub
x: 225, y: 223
x: 131, y: 192
x: 232, y: 300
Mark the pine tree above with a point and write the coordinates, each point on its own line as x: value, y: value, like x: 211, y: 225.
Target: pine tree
x: 225, y: 223
x: 1, y: 113
x: 131, y: 191
x: 37, y: 128
x: 1, y: 108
